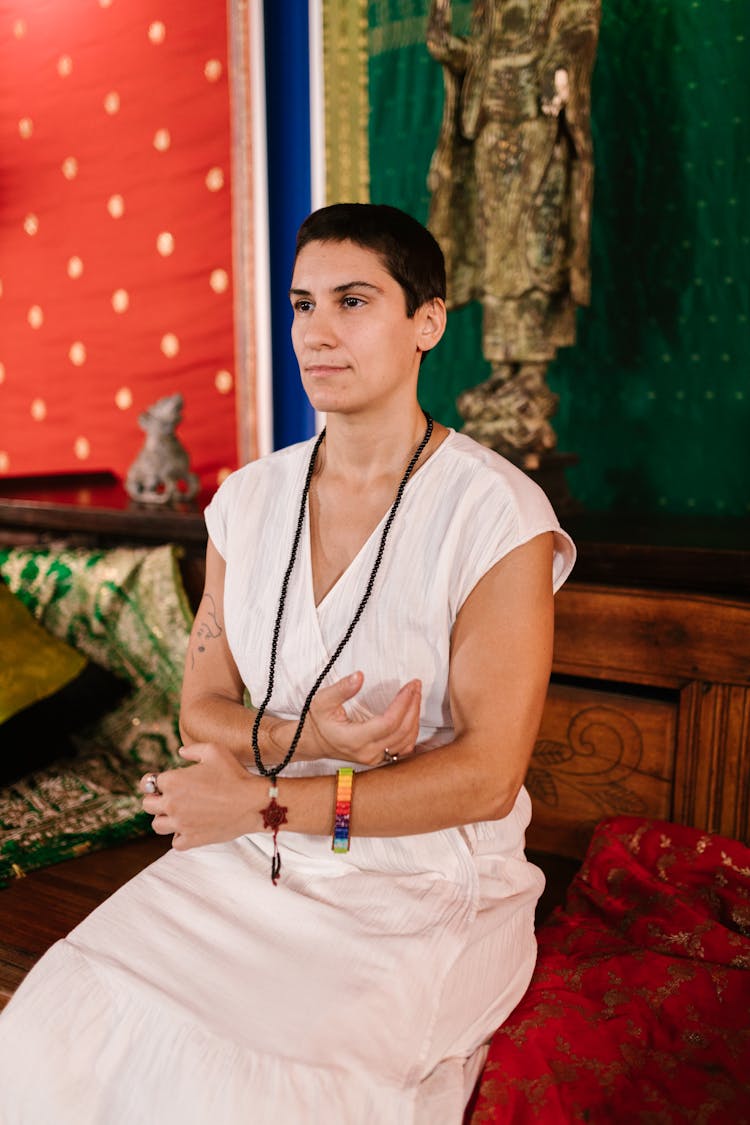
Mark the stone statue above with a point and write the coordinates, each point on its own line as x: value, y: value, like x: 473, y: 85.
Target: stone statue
x: 511, y: 182
x: 161, y: 473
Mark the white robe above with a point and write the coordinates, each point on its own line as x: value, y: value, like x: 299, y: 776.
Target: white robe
x: 361, y: 988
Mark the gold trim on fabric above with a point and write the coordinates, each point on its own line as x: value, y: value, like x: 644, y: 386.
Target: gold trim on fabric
x: 401, y: 33
x: 243, y: 234
x: 390, y: 34
x: 345, y: 57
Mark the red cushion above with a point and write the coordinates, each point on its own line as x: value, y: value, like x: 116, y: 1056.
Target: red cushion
x: 639, y: 1008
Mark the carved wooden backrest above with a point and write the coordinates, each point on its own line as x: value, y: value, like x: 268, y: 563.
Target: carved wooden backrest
x: 648, y: 713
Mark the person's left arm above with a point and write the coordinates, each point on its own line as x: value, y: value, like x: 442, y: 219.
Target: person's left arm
x: 501, y: 654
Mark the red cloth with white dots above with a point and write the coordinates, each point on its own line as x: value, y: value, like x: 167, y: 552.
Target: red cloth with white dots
x: 115, y: 226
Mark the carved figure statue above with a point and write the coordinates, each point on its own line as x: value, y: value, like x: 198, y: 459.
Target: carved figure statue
x: 511, y: 181
x: 161, y: 473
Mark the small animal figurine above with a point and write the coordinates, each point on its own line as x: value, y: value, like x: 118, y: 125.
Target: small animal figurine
x: 161, y: 473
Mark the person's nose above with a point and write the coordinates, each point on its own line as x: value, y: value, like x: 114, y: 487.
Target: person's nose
x: 319, y: 329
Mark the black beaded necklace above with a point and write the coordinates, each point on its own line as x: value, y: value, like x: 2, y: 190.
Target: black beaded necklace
x: 274, y: 815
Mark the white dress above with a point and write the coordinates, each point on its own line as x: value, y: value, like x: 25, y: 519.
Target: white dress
x: 355, y: 991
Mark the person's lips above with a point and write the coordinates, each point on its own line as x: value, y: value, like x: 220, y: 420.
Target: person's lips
x: 323, y: 370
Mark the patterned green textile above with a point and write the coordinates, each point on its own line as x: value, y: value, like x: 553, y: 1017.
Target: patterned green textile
x: 126, y: 610
x: 655, y: 395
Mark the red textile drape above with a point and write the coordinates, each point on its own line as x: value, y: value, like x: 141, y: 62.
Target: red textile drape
x: 638, y: 1008
x: 115, y: 232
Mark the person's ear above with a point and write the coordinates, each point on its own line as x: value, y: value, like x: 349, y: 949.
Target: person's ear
x: 431, y: 324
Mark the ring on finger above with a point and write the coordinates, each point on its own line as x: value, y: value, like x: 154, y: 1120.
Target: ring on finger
x: 388, y: 757
x: 151, y: 784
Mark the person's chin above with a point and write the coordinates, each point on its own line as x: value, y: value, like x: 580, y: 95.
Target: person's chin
x: 325, y: 396
x: 332, y: 404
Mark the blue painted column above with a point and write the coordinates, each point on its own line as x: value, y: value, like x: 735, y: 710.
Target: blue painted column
x: 288, y: 124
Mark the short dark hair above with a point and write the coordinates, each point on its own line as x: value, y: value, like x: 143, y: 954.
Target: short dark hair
x: 408, y: 251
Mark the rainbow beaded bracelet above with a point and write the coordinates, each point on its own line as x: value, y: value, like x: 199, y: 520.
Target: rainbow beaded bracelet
x: 344, y: 786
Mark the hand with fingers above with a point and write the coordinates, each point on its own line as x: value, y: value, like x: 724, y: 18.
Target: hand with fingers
x: 378, y: 740
x: 206, y: 804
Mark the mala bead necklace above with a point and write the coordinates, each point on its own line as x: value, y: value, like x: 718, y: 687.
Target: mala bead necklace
x: 274, y: 815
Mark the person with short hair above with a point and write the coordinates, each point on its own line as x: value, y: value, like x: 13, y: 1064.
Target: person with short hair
x: 346, y: 913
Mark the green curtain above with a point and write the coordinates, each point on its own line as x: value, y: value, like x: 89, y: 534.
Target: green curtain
x: 655, y: 395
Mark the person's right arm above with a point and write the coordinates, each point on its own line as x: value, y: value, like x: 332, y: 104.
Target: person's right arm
x: 212, y: 707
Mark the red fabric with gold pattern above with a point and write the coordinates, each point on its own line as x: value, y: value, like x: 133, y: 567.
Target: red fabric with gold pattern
x: 116, y: 271
x: 639, y: 1008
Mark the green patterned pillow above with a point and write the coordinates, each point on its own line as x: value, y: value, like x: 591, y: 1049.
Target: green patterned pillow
x: 126, y: 610
x: 35, y: 664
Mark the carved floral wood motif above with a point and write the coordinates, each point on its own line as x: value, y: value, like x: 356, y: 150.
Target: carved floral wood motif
x: 609, y: 746
x: 591, y: 761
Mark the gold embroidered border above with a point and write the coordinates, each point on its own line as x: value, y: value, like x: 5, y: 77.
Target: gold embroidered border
x: 346, y: 101
x: 240, y: 51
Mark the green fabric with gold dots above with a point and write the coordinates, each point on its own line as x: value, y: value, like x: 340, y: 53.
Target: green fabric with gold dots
x: 655, y: 396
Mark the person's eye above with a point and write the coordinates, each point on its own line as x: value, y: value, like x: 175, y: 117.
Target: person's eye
x: 302, y: 305
x: 351, y: 302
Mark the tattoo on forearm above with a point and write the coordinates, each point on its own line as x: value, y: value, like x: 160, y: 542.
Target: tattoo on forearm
x: 208, y: 627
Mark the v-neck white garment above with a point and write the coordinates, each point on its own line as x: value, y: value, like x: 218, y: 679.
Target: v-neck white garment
x: 460, y: 514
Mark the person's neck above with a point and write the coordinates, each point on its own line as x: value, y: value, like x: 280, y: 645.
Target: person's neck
x: 362, y: 449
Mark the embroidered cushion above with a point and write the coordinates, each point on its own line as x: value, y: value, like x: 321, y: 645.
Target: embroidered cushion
x: 126, y: 611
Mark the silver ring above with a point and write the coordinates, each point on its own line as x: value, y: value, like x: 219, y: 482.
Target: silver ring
x: 151, y: 784
x: 388, y: 757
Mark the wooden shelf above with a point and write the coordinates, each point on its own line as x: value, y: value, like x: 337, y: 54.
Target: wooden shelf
x: 97, y: 505
x: 701, y: 554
